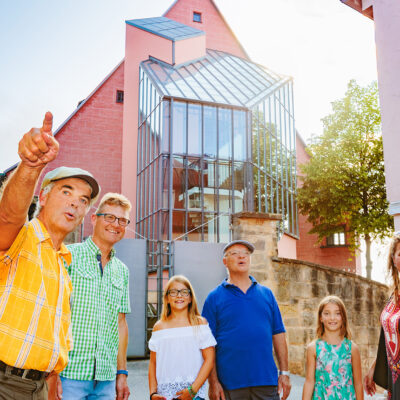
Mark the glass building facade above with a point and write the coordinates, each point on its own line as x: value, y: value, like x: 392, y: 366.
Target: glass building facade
x: 216, y: 137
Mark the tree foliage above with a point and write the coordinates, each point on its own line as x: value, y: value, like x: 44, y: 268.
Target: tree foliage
x: 343, y: 184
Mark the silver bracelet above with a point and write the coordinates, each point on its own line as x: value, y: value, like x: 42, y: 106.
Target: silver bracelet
x: 286, y: 373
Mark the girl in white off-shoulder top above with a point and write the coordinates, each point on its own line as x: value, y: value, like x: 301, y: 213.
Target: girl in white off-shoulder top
x: 181, y: 346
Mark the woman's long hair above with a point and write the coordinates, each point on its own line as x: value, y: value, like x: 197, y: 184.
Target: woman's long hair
x: 193, y: 311
x: 345, y: 331
x: 392, y: 271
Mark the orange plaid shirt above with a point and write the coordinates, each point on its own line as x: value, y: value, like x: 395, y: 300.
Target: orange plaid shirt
x: 35, y: 314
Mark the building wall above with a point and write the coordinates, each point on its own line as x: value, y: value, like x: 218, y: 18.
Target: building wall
x: 287, y: 247
x: 218, y: 34
x: 308, y: 248
x: 92, y: 138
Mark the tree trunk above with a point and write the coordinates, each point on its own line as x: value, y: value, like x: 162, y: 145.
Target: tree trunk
x: 368, y: 255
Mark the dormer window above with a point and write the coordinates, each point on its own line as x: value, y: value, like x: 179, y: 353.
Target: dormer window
x: 196, y: 17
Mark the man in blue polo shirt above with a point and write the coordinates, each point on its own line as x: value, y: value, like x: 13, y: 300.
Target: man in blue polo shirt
x: 247, y: 324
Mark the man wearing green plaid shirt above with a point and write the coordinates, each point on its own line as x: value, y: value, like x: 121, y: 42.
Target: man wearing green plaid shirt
x: 97, y: 366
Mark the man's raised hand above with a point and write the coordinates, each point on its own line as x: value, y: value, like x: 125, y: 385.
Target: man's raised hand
x: 38, y: 146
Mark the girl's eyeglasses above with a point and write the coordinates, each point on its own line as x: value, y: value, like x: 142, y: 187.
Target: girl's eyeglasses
x: 182, y: 292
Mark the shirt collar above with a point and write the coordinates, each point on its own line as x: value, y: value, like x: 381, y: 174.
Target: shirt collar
x: 225, y: 282
x: 94, y: 248
x: 42, y: 236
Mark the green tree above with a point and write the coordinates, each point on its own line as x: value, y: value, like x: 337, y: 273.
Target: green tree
x: 343, y: 184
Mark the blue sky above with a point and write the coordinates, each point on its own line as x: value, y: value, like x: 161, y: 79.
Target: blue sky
x: 55, y: 53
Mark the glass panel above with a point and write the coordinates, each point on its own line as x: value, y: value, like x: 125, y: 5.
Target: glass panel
x: 157, y: 133
x: 239, y: 192
x: 178, y: 224
x: 179, y: 183
x: 150, y: 189
x: 194, y: 226
x: 224, y: 133
x: 224, y: 236
x: 225, y: 186
x: 157, y: 187
x: 146, y: 193
x: 166, y: 124
x: 164, y: 225
x: 257, y: 188
x: 210, y: 228
x: 194, y: 183
x: 239, y: 134
x: 179, y: 128
x: 140, y: 154
x: 165, y: 182
x: 139, y: 199
x: 194, y: 129
x: 210, y: 185
x: 210, y: 131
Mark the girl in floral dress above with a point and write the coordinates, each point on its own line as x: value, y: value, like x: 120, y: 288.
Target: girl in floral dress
x: 333, y: 361
x: 181, y: 346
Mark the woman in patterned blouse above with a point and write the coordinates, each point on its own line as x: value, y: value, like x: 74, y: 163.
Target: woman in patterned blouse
x: 385, y: 370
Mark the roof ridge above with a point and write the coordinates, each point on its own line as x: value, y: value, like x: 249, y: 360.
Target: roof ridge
x: 223, y: 20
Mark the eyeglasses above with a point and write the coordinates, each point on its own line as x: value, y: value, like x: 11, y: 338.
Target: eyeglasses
x: 182, y: 292
x: 112, y: 218
x: 237, y: 253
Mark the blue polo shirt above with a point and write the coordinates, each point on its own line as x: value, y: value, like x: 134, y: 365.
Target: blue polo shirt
x: 243, y: 325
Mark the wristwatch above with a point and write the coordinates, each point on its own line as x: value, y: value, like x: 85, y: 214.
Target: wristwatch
x: 122, y: 372
x: 286, y: 373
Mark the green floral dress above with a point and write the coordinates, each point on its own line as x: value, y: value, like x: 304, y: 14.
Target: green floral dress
x: 333, y: 371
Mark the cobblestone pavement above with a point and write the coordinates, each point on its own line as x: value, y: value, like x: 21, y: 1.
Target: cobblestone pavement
x: 137, y: 381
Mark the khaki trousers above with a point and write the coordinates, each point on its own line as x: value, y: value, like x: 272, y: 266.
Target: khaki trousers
x: 15, y: 388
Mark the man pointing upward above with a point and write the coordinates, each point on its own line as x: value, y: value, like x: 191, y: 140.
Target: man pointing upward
x: 34, y: 285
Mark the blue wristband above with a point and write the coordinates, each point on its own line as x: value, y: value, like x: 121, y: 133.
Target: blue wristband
x: 122, y: 372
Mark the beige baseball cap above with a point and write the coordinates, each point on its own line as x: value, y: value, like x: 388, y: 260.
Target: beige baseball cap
x: 68, y: 172
x: 249, y: 245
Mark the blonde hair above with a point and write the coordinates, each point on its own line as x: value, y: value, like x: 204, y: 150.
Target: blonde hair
x: 345, y: 330
x: 392, y: 271
x: 114, y: 199
x: 193, y: 311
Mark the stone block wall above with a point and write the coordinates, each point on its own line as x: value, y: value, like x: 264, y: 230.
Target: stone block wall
x: 299, y: 286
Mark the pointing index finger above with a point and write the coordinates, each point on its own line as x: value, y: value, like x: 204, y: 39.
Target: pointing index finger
x: 47, y: 123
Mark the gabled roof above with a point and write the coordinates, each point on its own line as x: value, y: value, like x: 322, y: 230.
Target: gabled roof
x: 219, y: 78
x: 80, y: 105
x: 363, y: 7
x: 223, y: 20
x: 166, y: 28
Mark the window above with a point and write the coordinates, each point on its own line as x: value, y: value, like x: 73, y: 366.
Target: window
x: 336, y: 239
x: 120, y: 96
x: 196, y: 17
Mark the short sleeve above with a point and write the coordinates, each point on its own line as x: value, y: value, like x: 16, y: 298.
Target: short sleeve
x: 210, y: 313
x: 153, y: 343
x: 9, y: 255
x: 125, y: 306
x: 206, y: 337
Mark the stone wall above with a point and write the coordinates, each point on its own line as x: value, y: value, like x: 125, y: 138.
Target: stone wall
x: 299, y: 286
